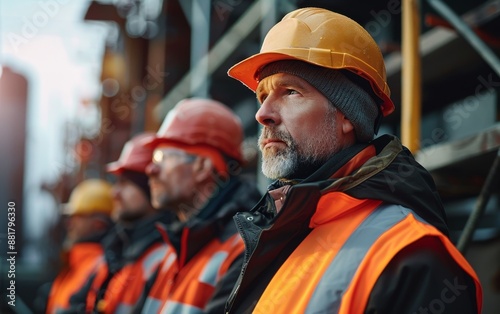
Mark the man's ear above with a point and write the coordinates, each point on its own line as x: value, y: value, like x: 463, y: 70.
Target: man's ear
x: 202, y: 168
x: 347, y: 126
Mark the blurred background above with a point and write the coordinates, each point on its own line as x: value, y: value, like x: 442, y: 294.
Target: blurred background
x: 79, y: 78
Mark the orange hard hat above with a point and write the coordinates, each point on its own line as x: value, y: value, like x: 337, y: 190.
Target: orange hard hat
x: 199, y: 121
x: 324, y: 38
x: 135, y: 155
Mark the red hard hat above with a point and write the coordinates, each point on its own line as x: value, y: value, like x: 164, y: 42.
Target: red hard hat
x: 135, y: 155
x: 197, y: 121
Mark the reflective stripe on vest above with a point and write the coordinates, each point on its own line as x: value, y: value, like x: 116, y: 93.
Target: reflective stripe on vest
x: 339, y: 274
x: 123, y: 309
x: 153, y: 302
x: 180, y: 308
x: 150, y: 263
x: 211, y: 272
x: 152, y: 305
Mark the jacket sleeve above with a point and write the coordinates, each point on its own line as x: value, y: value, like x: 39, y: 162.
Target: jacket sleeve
x: 423, y: 278
x: 78, y: 301
x: 224, y: 287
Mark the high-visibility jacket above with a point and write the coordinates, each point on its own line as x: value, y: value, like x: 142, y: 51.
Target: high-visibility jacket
x: 204, y: 257
x: 365, y: 242
x: 82, y: 260
x: 179, y: 287
x: 124, y: 288
x: 132, y: 257
x: 318, y: 247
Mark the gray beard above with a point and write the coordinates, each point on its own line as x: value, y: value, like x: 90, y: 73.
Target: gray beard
x: 284, y: 164
x: 281, y: 164
x: 289, y: 163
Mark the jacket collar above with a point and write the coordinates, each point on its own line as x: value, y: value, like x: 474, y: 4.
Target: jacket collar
x: 382, y: 170
x: 213, y: 220
x: 126, y: 244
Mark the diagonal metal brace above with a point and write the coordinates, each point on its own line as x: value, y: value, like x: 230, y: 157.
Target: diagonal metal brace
x: 463, y: 29
x: 481, y: 203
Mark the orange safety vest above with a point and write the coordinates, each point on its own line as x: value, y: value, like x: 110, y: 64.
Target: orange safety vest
x: 126, y: 286
x: 83, y: 259
x: 182, y: 287
x: 335, y: 268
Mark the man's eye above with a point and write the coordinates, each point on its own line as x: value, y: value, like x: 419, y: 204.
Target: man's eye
x: 292, y: 92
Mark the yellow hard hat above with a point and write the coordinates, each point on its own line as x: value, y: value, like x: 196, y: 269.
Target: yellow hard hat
x: 324, y: 38
x: 92, y: 196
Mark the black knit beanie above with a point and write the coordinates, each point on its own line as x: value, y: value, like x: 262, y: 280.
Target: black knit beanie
x: 139, y: 179
x: 352, y: 100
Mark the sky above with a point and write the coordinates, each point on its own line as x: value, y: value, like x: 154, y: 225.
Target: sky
x: 60, y: 54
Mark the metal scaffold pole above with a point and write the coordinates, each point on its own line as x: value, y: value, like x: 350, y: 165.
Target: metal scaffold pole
x: 411, y: 76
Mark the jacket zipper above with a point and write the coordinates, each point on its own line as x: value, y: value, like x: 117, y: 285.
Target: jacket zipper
x: 246, y: 258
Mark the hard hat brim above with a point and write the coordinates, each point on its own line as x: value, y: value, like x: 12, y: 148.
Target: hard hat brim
x: 153, y: 142
x: 66, y: 210
x: 246, y: 71
x: 157, y: 141
x: 115, y: 167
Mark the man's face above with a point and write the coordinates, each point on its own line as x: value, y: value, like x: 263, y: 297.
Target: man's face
x: 171, y: 178
x: 79, y: 227
x: 130, y: 202
x: 300, y: 125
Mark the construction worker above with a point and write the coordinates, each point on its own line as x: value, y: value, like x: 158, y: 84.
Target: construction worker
x: 197, y: 173
x: 134, y: 247
x: 88, y: 215
x: 351, y: 224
